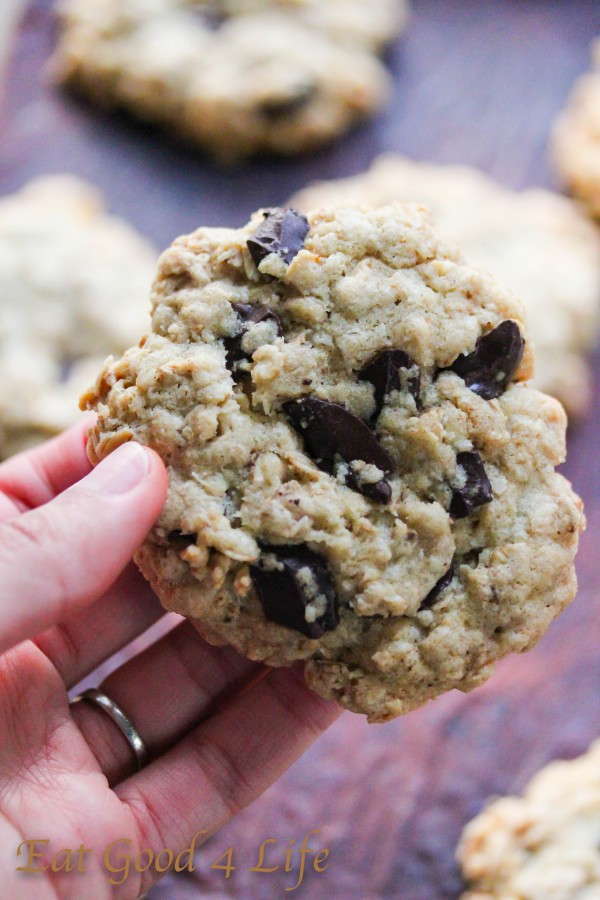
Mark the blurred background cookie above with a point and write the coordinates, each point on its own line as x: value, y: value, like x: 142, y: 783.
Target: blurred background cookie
x: 544, y: 844
x: 576, y: 139
x: 234, y: 78
x: 352, y: 22
x: 73, y: 288
x: 535, y: 242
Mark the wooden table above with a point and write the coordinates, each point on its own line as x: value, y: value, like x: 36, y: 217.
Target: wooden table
x: 478, y: 82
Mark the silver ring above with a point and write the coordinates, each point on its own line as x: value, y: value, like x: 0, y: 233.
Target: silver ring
x: 126, y: 726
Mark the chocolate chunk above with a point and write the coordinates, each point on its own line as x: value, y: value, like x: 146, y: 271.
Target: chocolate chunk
x: 476, y: 490
x: 180, y: 540
x: 292, y: 581
x: 250, y: 315
x: 433, y: 595
x: 332, y: 435
x: 281, y: 107
x: 387, y: 372
x: 282, y: 232
x: 493, y: 362
x: 377, y: 491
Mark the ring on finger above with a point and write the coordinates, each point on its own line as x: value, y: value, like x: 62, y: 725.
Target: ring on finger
x: 122, y: 721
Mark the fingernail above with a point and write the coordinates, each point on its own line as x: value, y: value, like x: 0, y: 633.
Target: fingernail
x: 122, y: 471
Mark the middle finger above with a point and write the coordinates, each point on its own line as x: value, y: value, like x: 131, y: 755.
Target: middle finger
x: 78, y: 645
x: 165, y: 691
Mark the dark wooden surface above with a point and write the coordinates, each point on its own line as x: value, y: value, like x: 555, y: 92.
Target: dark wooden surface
x: 477, y: 82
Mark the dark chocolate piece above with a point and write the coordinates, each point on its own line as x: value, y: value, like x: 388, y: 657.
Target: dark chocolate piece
x: 434, y: 594
x: 250, y: 315
x: 493, y: 362
x: 180, y: 539
x: 281, y: 107
x: 288, y: 582
x: 476, y: 490
x: 387, y: 373
x: 332, y: 434
x: 282, y: 232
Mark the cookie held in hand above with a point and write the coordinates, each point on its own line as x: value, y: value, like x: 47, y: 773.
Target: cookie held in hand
x: 360, y: 475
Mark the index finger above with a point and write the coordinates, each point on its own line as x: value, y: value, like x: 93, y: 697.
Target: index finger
x: 35, y: 477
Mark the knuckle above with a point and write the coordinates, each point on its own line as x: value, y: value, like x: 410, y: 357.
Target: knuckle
x: 36, y: 537
x: 62, y: 649
x: 227, y: 775
x: 32, y: 530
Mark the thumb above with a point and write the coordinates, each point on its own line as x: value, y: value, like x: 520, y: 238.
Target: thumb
x: 66, y: 554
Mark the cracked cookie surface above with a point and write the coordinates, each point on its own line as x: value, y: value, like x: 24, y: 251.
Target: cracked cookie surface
x: 539, y: 244
x: 360, y: 475
x: 237, y: 76
x: 544, y: 845
x: 73, y: 288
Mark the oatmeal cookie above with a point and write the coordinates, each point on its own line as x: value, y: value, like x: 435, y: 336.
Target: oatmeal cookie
x: 360, y: 475
x: 73, y: 288
x: 544, y: 845
x: 576, y: 138
x: 235, y: 77
x: 539, y: 244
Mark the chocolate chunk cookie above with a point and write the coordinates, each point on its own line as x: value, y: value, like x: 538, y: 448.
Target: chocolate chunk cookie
x: 537, y: 243
x: 360, y: 475
x: 544, y: 844
x: 233, y: 76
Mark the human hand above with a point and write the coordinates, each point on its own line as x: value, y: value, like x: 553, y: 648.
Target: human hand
x: 220, y: 729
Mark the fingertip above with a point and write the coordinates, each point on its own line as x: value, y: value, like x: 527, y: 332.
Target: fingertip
x: 155, y: 481
x: 77, y: 437
x: 157, y: 469
x: 157, y: 476
x: 134, y: 475
x: 67, y: 553
x: 130, y: 467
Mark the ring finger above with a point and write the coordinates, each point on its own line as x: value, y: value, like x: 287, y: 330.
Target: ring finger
x: 164, y: 691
